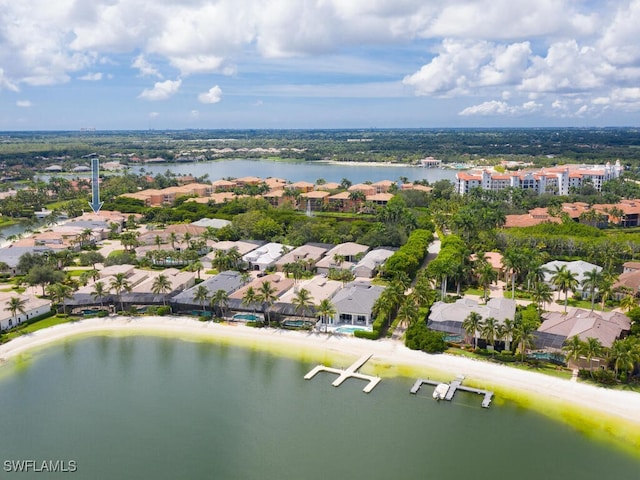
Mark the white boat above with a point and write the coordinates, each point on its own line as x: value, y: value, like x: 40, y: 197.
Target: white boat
x: 441, y: 391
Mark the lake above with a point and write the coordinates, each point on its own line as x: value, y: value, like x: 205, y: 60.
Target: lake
x: 300, y: 171
x: 144, y: 407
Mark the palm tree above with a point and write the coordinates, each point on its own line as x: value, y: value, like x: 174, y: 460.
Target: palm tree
x: 220, y: 299
x: 625, y: 354
x: 472, y: 324
x: 408, y: 311
x: 628, y: 302
x: 383, y: 306
x: 119, y: 283
x: 592, y: 348
x: 523, y: 336
x: 565, y: 280
x: 542, y: 294
x: 505, y: 332
x: 267, y: 296
x: 99, y: 292
x: 201, y: 295
x: 129, y: 241
x: 250, y: 298
x: 512, y: 260
x: 536, y: 273
x: 93, y: 274
x: 173, y: 238
x: 573, y: 348
x: 592, y: 280
x: 161, y: 286
x: 16, y: 305
x: 186, y: 238
x: 423, y: 291
x: 325, y: 310
x: 489, y: 332
x: 196, y: 267
x: 158, y: 241
x: 302, y: 301
x: 486, y: 276
x: 58, y: 293
x: 606, y: 288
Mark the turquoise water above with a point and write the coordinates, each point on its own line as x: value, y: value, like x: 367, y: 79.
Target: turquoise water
x: 350, y: 329
x: 247, y: 317
x: 156, y: 408
x: 297, y: 323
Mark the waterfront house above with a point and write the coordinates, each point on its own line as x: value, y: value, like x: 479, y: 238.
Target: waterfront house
x: 228, y: 281
x: 319, y: 288
x: 354, y: 303
x: 33, y: 307
x: 449, y: 317
x: 558, y: 327
x: 278, y: 283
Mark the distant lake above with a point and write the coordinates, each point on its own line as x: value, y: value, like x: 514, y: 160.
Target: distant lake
x: 160, y: 408
x: 296, y: 171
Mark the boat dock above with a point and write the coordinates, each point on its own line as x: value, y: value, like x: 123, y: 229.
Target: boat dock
x: 454, y: 386
x: 351, y: 371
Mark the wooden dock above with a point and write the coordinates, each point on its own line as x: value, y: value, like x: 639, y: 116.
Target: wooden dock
x: 454, y: 386
x: 350, y: 372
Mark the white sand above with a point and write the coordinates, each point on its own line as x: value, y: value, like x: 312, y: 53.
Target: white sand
x: 623, y: 405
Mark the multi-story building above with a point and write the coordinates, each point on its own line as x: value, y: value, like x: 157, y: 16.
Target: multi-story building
x: 554, y: 180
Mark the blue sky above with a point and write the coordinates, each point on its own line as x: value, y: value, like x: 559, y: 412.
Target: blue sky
x: 139, y: 64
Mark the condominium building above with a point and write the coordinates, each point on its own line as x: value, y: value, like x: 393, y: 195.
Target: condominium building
x: 555, y: 180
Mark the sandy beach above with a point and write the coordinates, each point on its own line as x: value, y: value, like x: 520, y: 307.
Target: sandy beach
x: 389, y: 358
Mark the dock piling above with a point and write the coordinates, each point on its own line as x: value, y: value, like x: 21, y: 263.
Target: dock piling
x: 350, y: 372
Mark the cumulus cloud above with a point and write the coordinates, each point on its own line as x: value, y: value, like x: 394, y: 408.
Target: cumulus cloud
x: 497, y: 50
x: 24, y: 103
x: 462, y: 65
x: 91, y: 77
x: 213, y: 95
x: 7, y: 84
x: 145, y: 68
x: 161, y: 90
x: 193, y: 64
x: 495, y: 107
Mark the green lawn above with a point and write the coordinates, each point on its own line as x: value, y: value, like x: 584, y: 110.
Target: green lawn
x: 547, y: 369
x: 34, y: 327
x: 585, y: 304
x: 58, y: 205
x: 520, y: 295
x: 474, y: 291
x: 76, y: 273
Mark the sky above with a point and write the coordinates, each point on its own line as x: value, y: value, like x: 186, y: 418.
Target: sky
x: 178, y: 64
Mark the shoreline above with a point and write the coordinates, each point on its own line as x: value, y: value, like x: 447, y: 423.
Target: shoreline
x: 616, y: 413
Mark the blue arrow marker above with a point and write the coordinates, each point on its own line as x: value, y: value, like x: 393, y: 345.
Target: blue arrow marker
x: 95, y: 203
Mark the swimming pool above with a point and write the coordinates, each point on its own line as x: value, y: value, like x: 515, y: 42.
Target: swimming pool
x: 246, y: 317
x: 297, y: 324
x: 349, y: 329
